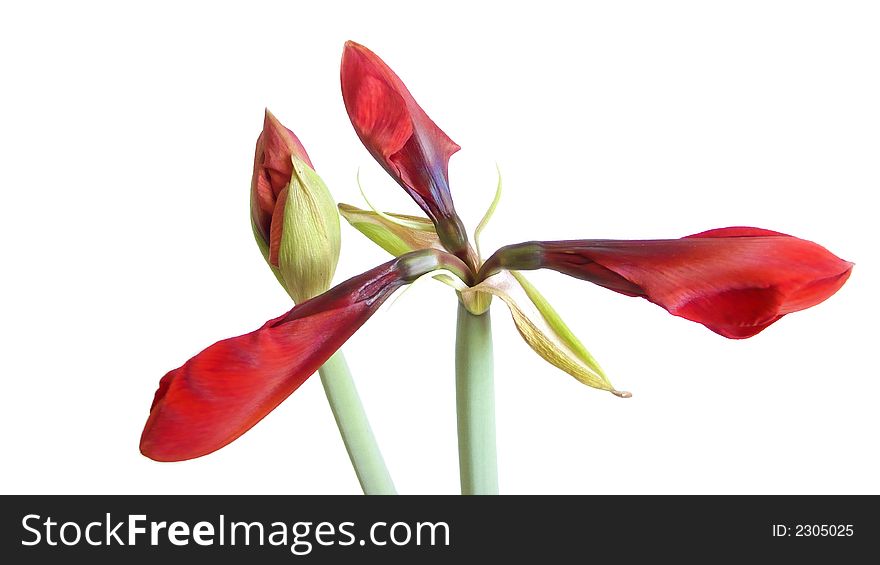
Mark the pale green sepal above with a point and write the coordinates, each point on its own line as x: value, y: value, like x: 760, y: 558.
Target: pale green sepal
x: 310, y: 237
x: 394, y: 235
x: 555, y: 321
x: 383, y: 237
x: 544, y: 330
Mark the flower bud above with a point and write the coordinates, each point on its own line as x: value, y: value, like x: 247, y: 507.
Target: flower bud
x: 293, y: 215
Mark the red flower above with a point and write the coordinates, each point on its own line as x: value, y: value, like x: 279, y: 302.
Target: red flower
x: 402, y: 138
x: 735, y: 281
x: 223, y: 391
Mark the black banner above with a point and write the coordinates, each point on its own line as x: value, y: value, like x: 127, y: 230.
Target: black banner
x: 421, y: 529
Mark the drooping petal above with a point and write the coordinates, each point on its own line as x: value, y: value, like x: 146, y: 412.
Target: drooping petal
x: 735, y: 281
x: 543, y: 330
x: 226, y: 389
x: 401, y: 137
x: 276, y: 145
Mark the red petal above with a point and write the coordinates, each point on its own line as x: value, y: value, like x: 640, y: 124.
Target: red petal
x: 378, y: 113
x: 735, y: 281
x: 262, y: 204
x: 223, y: 391
x: 279, y: 144
x: 396, y: 131
x: 276, y: 227
x: 272, y: 169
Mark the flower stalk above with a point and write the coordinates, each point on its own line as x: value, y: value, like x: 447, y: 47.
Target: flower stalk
x: 354, y: 427
x: 475, y: 402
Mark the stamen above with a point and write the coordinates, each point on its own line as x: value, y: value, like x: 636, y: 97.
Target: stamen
x: 488, y: 215
x: 443, y: 275
x: 417, y: 226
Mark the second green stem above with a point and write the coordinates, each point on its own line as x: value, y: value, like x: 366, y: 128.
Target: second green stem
x: 475, y: 401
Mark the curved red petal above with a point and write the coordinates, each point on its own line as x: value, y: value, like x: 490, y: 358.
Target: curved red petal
x: 734, y: 313
x: 262, y: 205
x: 378, y: 113
x: 396, y: 131
x: 735, y: 281
x: 226, y: 389
x: 279, y: 145
x: 276, y: 226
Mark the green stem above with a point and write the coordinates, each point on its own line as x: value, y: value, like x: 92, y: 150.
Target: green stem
x: 354, y: 427
x: 475, y: 399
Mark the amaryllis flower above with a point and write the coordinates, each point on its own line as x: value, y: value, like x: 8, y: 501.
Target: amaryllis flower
x: 735, y: 281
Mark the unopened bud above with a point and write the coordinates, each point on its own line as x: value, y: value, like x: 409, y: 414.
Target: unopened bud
x: 294, y: 217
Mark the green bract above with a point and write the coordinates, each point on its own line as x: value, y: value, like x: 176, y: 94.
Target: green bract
x: 310, y: 237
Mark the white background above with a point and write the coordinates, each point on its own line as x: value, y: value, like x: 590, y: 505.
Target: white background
x: 126, y: 149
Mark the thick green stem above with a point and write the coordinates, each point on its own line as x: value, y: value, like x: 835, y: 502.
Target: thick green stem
x: 354, y: 427
x: 475, y: 399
